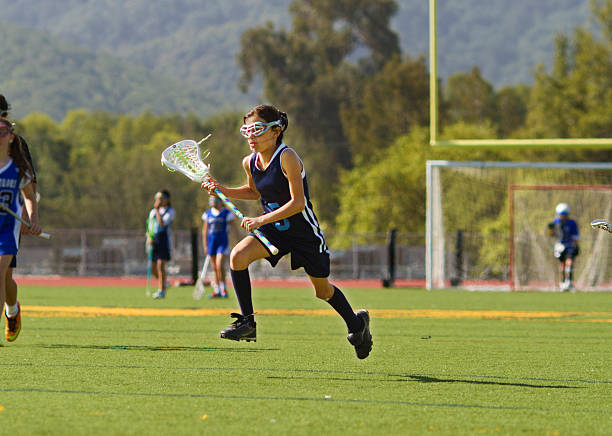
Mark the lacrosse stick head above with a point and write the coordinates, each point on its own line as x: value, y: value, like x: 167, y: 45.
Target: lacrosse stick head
x: 185, y: 157
x: 601, y: 224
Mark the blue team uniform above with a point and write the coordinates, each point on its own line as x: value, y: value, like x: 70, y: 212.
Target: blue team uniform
x: 299, y: 234
x: 217, y: 239
x: 10, y: 195
x: 162, y: 245
x: 566, y: 232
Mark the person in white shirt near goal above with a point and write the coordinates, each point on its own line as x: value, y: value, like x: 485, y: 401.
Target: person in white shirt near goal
x: 565, y: 230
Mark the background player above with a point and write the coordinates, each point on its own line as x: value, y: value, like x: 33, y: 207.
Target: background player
x: 158, y: 225
x: 13, y: 309
x: 15, y: 180
x: 276, y: 176
x: 565, y: 231
x: 215, y: 238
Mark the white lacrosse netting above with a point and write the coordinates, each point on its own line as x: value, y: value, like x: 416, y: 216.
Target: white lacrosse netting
x: 487, y: 221
x: 185, y: 157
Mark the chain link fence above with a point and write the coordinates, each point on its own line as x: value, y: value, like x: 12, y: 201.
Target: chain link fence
x: 91, y: 252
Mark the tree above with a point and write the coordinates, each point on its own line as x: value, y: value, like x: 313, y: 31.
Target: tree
x: 386, y: 106
x: 575, y: 99
x: 308, y: 73
x: 511, y: 104
x: 470, y: 98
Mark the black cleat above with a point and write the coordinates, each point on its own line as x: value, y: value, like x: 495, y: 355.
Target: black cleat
x: 243, y: 329
x: 362, y: 339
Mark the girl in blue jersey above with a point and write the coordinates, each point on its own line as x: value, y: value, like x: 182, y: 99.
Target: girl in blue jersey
x: 158, y: 232
x: 277, y: 177
x: 16, y: 176
x: 215, y: 235
x: 13, y: 311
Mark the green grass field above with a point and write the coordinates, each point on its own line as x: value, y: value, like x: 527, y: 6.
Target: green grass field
x: 439, y: 374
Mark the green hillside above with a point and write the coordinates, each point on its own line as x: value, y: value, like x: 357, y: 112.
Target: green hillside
x: 193, y: 44
x: 41, y: 73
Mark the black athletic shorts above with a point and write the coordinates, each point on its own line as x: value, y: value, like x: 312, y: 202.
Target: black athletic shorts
x: 304, y: 254
x: 161, y: 247
x: 569, y: 253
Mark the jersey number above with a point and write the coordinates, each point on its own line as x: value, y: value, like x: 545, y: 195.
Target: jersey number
x: 280, y: 225
x: 6, y: 198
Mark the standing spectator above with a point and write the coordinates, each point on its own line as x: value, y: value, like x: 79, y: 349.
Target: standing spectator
x: 13, y: 309
x: 565, y: 231
x: 158, y: 230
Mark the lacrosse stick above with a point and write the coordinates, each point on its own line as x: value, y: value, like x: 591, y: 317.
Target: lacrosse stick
x: 22, y: 221
x: 601, y: 224
x: 149, y: 249
x: 184, y: 157
x: 200, y: 289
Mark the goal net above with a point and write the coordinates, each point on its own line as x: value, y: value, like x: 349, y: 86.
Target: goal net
x: 487, y: 222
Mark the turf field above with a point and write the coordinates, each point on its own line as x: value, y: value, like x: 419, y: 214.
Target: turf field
x: 110, y: 361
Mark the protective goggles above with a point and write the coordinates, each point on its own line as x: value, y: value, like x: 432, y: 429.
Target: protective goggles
x: 258, y: 128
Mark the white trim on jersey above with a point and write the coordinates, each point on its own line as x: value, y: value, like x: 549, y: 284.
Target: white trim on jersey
x: 303, y: 173
x: 308, y: 215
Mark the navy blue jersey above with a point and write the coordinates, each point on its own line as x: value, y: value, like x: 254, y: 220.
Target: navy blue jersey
x: 566, y: 231
x: 273, y: 186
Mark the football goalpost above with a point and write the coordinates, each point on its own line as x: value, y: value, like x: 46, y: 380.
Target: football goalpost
x: 486, y: 224
x: 433, y: 109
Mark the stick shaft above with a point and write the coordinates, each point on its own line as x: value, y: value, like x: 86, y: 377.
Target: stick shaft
x: 204, y: 268
x: 22, y: 221
x: 236, y: 212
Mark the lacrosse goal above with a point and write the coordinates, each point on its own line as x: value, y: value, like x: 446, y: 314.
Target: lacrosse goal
x: 486, y: 224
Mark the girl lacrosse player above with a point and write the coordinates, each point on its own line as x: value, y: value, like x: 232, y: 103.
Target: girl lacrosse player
x: 215, y: 237
x: 277, y: 177
x: 13, y: 311
x: 16, y: 176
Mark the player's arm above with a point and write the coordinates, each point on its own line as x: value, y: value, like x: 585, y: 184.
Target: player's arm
x: 247, y: 191
x: 205, y: 236
x: 29, y: 196
x: 158, y: 216
x: 550, y: 229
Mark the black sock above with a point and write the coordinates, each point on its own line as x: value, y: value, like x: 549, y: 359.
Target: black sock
x: 242, y: 286
x: 341, y: 305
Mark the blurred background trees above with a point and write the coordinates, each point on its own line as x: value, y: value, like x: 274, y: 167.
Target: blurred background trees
x: 358, y: 113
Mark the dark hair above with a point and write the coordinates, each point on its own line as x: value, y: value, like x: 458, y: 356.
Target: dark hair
x: 17, y: 153
x: 269, y: 113
x: 4, y: 106
x: 165, y: 194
